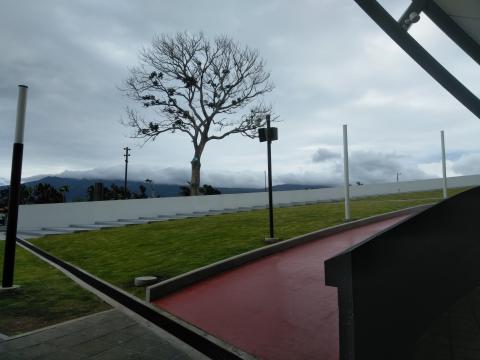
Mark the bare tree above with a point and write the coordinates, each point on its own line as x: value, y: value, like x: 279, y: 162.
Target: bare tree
x: 205, y: 89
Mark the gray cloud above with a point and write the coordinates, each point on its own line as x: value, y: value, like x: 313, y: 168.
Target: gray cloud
x: 323, y: 154
x: 467, y: 164
x: 170, y: 175
x: 73, y: 55
x: 373, y: 167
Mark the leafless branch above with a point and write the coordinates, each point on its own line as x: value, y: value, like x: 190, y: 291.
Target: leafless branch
x: 199, y: 87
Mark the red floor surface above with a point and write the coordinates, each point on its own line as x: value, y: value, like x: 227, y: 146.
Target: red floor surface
x: 277, y: 307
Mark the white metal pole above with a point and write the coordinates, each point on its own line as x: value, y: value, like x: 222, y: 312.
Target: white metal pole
x: 14, y: 194
x: 345, y: 173
x: 444, y: 165
x: 21, y: 109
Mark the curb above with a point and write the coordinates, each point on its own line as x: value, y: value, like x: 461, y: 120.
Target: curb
x: 193, y: 339
x: 174, y: 284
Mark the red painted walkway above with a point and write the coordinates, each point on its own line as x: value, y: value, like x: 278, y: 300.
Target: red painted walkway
x: 277, y: 307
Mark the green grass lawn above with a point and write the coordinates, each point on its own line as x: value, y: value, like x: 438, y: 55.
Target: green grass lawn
x: 46, y: 297
x: 165, y: 249
x: 170, y: 248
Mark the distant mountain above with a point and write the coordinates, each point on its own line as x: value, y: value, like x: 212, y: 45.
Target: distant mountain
x: 78, y: 187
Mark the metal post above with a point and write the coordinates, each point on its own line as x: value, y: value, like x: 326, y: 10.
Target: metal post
x: 127, y: 149
x: 265, y: 178
x: 345, y: 173
x: 444, y: 165
x: 14, y: 195
x: 270, y: 197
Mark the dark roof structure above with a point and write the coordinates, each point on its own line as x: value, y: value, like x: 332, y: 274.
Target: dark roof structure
x: 458, y: 19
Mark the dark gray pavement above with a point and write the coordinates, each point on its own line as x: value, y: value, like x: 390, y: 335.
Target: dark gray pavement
x: 108, y: 335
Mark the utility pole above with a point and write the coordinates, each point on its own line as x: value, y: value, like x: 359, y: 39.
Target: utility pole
x: 126, y: 155
x: 270, y: 197
x: 269, y: 134
x: 14, y: 196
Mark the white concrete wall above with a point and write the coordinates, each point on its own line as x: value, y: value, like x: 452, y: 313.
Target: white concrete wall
x: 60, y: 215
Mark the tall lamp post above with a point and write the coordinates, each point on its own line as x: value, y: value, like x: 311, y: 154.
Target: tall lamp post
x: 269, y: 134
x: 14, y: 196
x: 127, y: 154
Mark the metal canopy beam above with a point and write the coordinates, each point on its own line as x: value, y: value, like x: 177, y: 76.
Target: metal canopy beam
x: 452, y: 30
x: 390, y: 26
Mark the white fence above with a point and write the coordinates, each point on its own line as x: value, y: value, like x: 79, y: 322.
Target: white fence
x: 60, y: 215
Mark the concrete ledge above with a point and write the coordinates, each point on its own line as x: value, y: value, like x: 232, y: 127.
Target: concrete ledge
x: 176, y: 283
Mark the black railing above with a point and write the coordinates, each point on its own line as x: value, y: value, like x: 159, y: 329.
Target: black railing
x: 392, y: 285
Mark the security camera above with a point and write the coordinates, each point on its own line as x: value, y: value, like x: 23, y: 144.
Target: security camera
x: 413, y: 17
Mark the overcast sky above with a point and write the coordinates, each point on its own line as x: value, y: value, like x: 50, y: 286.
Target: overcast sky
x: 331, y: 65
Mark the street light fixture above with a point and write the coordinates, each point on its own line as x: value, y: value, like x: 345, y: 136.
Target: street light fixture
x: 126, y: 155
x: 269, y: 134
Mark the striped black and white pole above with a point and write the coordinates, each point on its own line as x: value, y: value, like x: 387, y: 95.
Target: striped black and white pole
x: 14, y: 196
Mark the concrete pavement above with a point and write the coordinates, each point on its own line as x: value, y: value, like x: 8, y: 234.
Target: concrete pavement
x: 109, y: 335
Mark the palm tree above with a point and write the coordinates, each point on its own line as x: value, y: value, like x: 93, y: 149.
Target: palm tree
x: 63, y: 189
x: 150, y: 183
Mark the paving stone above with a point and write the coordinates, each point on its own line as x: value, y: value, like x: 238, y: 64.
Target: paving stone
x: 62, y: 354
x: 9, y: 356
x: 119, y: 323
x: 103, y: 316
x: 116, y: 338
x: 49, y: 334
x: 91, y: 347
x: 36, y: 351
x: 98, y: 331
x: 165, y: 351
x: 134, y: 331
x: 107, y: 335
x: 140, y: 343
x: 18, y: 343
x: 120, y: 353
x: 181, y: 356
x: 71, y: 340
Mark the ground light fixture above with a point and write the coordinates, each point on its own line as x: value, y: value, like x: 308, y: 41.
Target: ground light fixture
x: 269, y: 134
x: 14, y: 196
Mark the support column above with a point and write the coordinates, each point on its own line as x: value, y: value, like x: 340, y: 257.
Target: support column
x: 444, y: 165
x: 345, y: 173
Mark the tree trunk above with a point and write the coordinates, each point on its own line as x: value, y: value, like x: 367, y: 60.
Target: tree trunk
x: 195, y: 180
